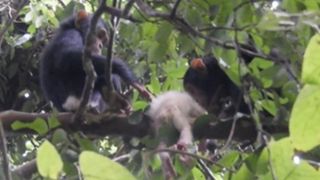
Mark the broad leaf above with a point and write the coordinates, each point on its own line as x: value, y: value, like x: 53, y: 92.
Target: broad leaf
x: 304, y: 123
x: 311, y: 63
x: 97, y: 167
x: 283, y: 167
x: 39, y: 125
x: 49, y: 162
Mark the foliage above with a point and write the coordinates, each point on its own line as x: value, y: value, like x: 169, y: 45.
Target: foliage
x: 282, y: 83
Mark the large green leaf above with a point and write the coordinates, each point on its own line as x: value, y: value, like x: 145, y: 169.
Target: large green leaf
x: 39, y: 125
x: 304, y: 123
x: 280, y: 157
x: 311, y: 63
x: 49, y: 162
x: 95, y: 166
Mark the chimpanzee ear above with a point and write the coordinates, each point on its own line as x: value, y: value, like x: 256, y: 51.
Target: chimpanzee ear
x: 198, y: 64
x: 81, y: 16
x: 102, y: 34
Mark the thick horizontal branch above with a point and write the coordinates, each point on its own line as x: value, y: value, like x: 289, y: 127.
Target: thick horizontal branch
x: 108, y: 124
x: 119, y: 124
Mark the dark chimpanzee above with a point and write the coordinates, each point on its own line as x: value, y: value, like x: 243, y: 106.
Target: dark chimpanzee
x: 61, y: 72
x: 212, y: 87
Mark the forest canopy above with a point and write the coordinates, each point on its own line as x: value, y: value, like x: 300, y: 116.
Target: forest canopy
x: 269, y: 49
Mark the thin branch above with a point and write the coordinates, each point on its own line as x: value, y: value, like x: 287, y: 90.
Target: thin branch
x: 186, y: 27
x: 121, y: 14
x: 62, y: 3
x: 88, y: 67
x: 122, y: 157
x: 174, y: 9
x: 26, y: 169
x: 274, y: 177
x: 4, y: 151
x: 190, y: 155
x: 108, y: 66
x: 206, y: 170
x: 127, y: 8
x: 183, y: 153
x: 233, y: 127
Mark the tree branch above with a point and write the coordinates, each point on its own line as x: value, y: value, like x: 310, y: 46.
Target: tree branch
x: 26, y: 169
x: 4, y: 152
x: 91, y: 75
x: 119, y: 124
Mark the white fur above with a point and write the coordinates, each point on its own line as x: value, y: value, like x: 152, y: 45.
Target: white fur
x: 178, y: 108
x: 71, y: 104
x: 96, y: 102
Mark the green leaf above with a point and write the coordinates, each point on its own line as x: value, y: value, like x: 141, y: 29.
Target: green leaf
x: 311, y: 62
x: 59, y: 136
x: 38, y: 22
x: 304, y: 123
x: 39, y: 125
x: 290, y: 5
x: 163, y: 32
x: 268, y: 22
x: 157, y: 51
x: 197, y: 174
x: 243, y: 173
x: 280, y: 158
x: 228, y: 160
x: 53, y: 122
x: 49, y: 162
x: 185, y: 43
x: 270, y: 106
x: 97, y: 167
x: 85, y: 144
x: 137, y: 105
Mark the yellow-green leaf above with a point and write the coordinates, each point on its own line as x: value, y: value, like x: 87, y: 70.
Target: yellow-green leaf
x: 97, y: 167
x: 39, y: 125
x: 49, y: 162
x: 311, y: 62
x: 281, y: 160
x: 304, y: 123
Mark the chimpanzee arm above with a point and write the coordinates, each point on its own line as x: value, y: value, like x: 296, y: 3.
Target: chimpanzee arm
x: 72, y: 61
x: 122, y: 69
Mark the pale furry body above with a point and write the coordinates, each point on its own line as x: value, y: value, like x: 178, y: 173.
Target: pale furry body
x: 178, y: 108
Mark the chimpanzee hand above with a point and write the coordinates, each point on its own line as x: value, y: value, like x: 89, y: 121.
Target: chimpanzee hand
x: 143, y: 91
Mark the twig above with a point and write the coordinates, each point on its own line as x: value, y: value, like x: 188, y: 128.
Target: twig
x: 62, y: 3
x: 206, y: 170
x: 88, y: 67
x: 274, y: 177
x: 174, y: 9
x: 191, y: 155
x: 127, y: 8
x: 108, y: 66
x: 4, y: 151
x: 122, y: 157
x: 186, y: 27
x: 183, y: 153
x: 121, y: 14
x: 232, y: 130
